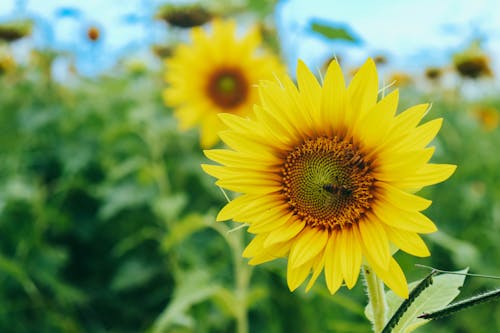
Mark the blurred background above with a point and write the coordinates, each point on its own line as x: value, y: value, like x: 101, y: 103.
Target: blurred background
x: 107, y: 222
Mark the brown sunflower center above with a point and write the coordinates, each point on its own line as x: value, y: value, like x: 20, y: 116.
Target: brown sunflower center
x: 327, y: 182
x: 227, y: 88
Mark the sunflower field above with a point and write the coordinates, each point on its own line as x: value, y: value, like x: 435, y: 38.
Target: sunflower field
x: 110, y: 221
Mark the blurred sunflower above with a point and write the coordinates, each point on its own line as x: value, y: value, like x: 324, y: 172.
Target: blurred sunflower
x: 401, y: 79
x: 184, y: 16
x: 216, y: 74
x: 488, y: 117
x: 93, y: 33
x: 7, y: 63
x: 433, y: 73
x: 473, y: 63
x: 14, y: 30
x: 328, y: 175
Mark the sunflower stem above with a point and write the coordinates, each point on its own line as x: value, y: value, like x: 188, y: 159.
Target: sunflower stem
x: 242, y: 274
x: 376, y: 297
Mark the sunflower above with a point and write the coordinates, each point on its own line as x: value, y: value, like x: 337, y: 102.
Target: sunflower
x: 216, y: 74
x: 93, y: 33
x: 327, y: 176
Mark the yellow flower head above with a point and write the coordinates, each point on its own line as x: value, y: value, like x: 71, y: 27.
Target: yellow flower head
x: 488, y: 117
x: 327, y: 176
x: 216, y: 73
x: 7, y: 63
x: 433, y: 73
x: 184, y: 16
x: 93, y: 33
x: 473, y: 62
x: 401, y: 79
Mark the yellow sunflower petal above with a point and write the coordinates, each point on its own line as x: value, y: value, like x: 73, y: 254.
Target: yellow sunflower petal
x: 408, y: 119
x: 375, y: 238
x: 226, y: 42
x: 332, y: 99
x: 404, y: 200
x: 273, y: 97
x: 407, y: 241
x: 271, y: 253
x: 333, y: 269
x: 295, y: 276
x: 273, y: 219
x: 375, y: 124
x: 406, y: 220
x: 389, y: 167
x: 243, y: 144
x: 253, y: 211
x: 240, y: 124
x: 294, y: 102
x: 310, y: 91
x: 248, y: 43
x: 317, y: 268
x: 209, y: 128
x: 223, y: 172
x: 231, y: 158
x: 308, y: 245
x: 430, y: 174
x: 255, y: 247
x: 275, y: 129
x: 362, y: 91
x: 284, y: 232
x: 188, y: 116
x: 419, y: 137
x: 268, y: 210
x: 350, y: 260
x: 393, y: 277
x: 249, y: 186
x: 234, y: 206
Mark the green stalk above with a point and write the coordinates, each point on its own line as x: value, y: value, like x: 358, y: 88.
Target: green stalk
x: 242, y: 273
x: 376, y: 296
x: 242, y: 277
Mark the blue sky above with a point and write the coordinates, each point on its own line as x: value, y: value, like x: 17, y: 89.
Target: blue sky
x: 412, y: 33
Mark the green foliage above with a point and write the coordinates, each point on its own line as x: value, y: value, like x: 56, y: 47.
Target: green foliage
x: 107, y: 221
x: 89, y: 191
x: 334, y: 32
x: 441, y: 292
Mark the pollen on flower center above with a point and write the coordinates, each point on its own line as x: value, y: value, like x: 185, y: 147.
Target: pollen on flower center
x: 227, y: 88
x: 327, y: 182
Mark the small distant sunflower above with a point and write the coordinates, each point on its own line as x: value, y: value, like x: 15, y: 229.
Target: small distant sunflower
x: 15, y: 30
x: 184, y: 16
x: 488, y: 117
x: 216, y: 73
x: 433, y: 73
x: 7, y: 63
x: 327, y: 176
x: 474, y: 67
x: 400, y: 79
x: 473, y: 62
x: 93, y: 33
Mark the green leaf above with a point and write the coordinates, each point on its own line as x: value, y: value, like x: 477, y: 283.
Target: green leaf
x: 183, y: 229
x: 17, y: 271
x: 334, y: 32
x: 463, y: 304
x: 194, y: 288
x: 169, y: 207
x: 443, y: 290
x: 131, y: 274
x: 226, y: 301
